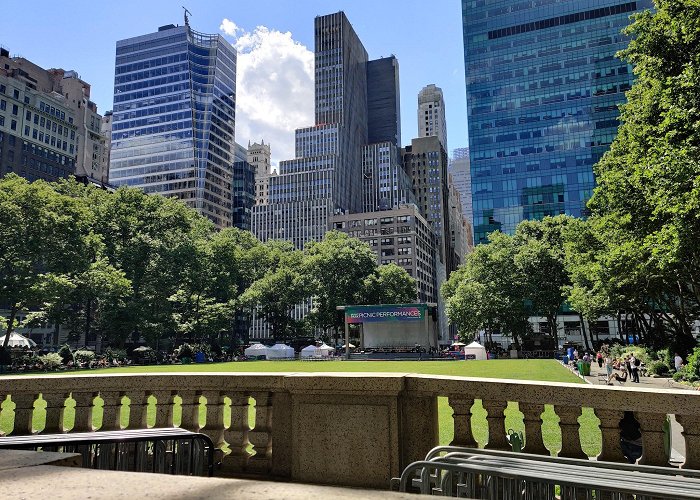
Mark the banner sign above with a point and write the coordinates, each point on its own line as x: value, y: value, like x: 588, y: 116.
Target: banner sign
x: 367, y: 314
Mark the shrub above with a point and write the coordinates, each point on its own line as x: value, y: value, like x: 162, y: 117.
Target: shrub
x: 51, y: 361
x: 65, y: 353
x: 691, y: 371
x: 657, y: 367
x: 185, y: 351
x: 118, y: 354
x: 642, y: 353
x: 83, y: 356
x: 202, y: 347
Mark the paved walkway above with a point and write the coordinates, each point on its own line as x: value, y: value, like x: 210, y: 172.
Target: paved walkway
x: 677, y: 441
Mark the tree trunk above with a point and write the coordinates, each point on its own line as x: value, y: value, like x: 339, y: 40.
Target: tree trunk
x: 583, y: 330
x: 88, y: 314
x: 10, y: 324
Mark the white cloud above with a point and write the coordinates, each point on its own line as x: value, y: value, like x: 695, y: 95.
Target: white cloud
x: 274, y: 89
x: 229, y: 27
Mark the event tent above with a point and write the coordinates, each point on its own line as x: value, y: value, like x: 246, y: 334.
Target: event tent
x: 314, y: 351
x: 256, y: 350
x: 475, y: 351
x: 280, y: 351
x: 17, y: 340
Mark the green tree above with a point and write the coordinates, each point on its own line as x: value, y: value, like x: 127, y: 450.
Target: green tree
x: 488, y: 292
x: 540, y: 258
x: 337, y: 266
x: 279, y: 290
x: 42, y: 236
x: 645, y: 208
x: 389, y: 284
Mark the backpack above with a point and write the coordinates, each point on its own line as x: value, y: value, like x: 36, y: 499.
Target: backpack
x: 637, y: 361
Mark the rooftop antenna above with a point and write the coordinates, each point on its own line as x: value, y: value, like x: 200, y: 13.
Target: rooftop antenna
x: 187, y: 19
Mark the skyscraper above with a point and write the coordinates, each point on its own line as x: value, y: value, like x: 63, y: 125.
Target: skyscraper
x: 431, y: 114
x: 543, y: 86
x: 326, y: 175
x: 461, y: 177
x: 383, y: 101
x: 173, y: 118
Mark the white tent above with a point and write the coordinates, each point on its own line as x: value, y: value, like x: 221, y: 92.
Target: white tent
x: 308, y: 352
x: 313, y: 351
x: 325, y: 349
x: 475, y: 351
x: 17, y: 340
x: 256, y: 350
x: 280, y: 351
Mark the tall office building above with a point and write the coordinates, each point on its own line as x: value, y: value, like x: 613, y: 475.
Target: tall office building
x: 431, y: 114
x: 385, y: 183
x: 543, y: 89
x: 326, y: 175
x: 174, y: 118
x: 383, y: 101
x: 425, y: 160
x: 458, y: 168
x: 49, y: 127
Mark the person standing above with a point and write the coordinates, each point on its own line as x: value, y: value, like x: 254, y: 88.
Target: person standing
x: 628, y: 366
x: 634, y: 367
x: 599, y: 358
x: 678, y: 362
x: 608, y: 366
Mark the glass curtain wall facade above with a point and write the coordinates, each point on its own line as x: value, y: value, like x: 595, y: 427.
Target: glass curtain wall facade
x: 543, y: 87
x: 174, y: 118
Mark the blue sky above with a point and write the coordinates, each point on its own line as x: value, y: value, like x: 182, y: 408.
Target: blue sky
x: 274, y: 67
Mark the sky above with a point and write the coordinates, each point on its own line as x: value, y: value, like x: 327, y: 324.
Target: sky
x: 274, y: 39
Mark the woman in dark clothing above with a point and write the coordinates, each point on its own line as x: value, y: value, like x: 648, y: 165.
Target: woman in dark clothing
x: 630, y: 437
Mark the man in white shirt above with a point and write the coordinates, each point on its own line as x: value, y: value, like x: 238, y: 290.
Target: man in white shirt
x: 678, y: 362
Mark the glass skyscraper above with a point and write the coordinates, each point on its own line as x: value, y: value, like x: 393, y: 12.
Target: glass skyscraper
x: 543, y: 89
x: 174, y: 118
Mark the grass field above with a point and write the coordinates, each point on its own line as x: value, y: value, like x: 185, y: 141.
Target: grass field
x: 542, y: 370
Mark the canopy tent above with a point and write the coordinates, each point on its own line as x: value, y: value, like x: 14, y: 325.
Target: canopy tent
x: 280, y: 351
x: 256, y: 350
x: 316, y: 351
x: 17, y: 340
x: 475, y: 351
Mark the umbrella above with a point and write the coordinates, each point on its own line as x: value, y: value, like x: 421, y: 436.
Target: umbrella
x: 17, y: 340
x: 458, y: 344
x: 143, y: 348
x: 351, y: 346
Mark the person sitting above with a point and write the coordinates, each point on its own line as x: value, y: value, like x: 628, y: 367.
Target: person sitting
x: 621, y: 379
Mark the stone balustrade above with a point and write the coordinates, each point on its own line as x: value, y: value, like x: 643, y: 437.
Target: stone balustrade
x: 346, y: 429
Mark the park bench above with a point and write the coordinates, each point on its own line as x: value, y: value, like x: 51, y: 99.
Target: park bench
x: 489, y: 474
x: 162, y: 450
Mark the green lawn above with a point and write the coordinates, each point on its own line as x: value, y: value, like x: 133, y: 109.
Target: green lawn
x: 543, y: 370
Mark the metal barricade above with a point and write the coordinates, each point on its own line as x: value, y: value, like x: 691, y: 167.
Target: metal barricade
x: 160, y: 450
x: 487, y: 474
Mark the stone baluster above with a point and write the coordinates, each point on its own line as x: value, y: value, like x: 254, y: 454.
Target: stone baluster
x: 652, y: 427
x: 55, y: 406
x: 190, y: 410
x: 496, y: 420
x: 138, y: 409
x: 214, y: 422
x: 164, y: 408
x: 111, y: 410
x: 610, y: 430
x: 24, y: 413
x: 691, y: 434
x: 570, y: 437
x: 84, y: 405
x: 261, y: 435
x: 532, y: 418
x: 462, y: 421
x: 237, y: 434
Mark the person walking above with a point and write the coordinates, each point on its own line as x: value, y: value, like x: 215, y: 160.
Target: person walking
x: 599, y: 358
